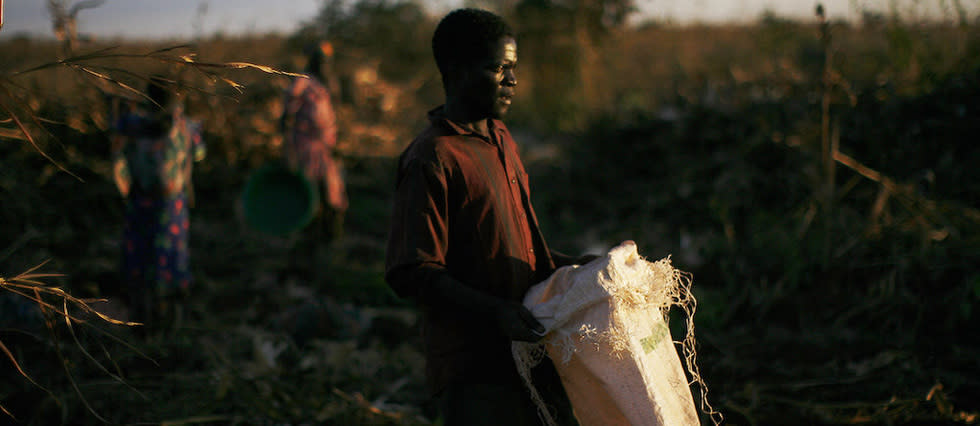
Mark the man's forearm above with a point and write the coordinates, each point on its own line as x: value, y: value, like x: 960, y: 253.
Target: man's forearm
x: 434, y: 288
x: 562, y: 259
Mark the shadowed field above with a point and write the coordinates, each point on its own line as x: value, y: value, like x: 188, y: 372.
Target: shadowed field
x: 826, y: 208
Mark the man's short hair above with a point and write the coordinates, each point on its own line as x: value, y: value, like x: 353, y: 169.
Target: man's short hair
x: 465, y: 36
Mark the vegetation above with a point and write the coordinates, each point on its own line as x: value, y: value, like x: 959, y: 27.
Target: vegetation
x: 817, y: 179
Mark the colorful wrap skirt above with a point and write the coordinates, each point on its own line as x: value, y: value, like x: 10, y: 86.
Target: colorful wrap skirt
x: 155, y: 252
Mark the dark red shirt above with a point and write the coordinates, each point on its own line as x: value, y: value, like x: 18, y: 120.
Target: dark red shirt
x: 462, y: 208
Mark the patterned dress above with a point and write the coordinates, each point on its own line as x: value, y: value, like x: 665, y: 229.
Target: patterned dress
x: 310, y: 129
x: 153, y: 169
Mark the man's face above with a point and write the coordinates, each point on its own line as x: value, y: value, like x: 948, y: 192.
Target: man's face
x: 487, y: 86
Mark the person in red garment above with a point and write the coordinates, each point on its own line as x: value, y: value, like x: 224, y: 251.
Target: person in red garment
x: 309, y: 126
x: 465, y: 244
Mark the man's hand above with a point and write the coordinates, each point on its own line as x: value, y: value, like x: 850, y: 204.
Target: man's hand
x: 518, y: 323
x: 562, y: 259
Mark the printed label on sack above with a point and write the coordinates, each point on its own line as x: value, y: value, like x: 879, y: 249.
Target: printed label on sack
x: 650, y: 342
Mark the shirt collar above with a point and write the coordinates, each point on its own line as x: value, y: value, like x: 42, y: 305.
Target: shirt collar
x: 437, y: 116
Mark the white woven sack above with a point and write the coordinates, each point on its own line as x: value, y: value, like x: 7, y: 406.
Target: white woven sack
x: 609, y: 341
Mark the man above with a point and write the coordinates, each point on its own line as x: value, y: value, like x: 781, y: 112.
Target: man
x: 465, y: 244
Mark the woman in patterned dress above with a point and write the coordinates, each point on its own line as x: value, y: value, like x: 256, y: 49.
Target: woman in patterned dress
x: 154, y: 148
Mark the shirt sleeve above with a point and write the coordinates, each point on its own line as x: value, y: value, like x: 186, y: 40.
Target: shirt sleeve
x: 419, y: 237
x: 418, y: 246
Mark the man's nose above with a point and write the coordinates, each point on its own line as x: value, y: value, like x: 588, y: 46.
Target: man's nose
x: 510, y: 78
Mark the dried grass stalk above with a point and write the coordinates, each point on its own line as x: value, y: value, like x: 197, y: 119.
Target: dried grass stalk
x: 54, y: 302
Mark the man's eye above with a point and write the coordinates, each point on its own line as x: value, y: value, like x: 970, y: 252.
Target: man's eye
x: 499, y: 69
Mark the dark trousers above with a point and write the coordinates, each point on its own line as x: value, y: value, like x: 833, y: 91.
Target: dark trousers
x: 505, y: 400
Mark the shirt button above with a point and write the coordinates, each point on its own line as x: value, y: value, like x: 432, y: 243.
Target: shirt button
x: 532, y: 250
x: 513, y: 180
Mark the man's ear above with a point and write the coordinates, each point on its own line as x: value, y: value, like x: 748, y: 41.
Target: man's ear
x: 454, y: 76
